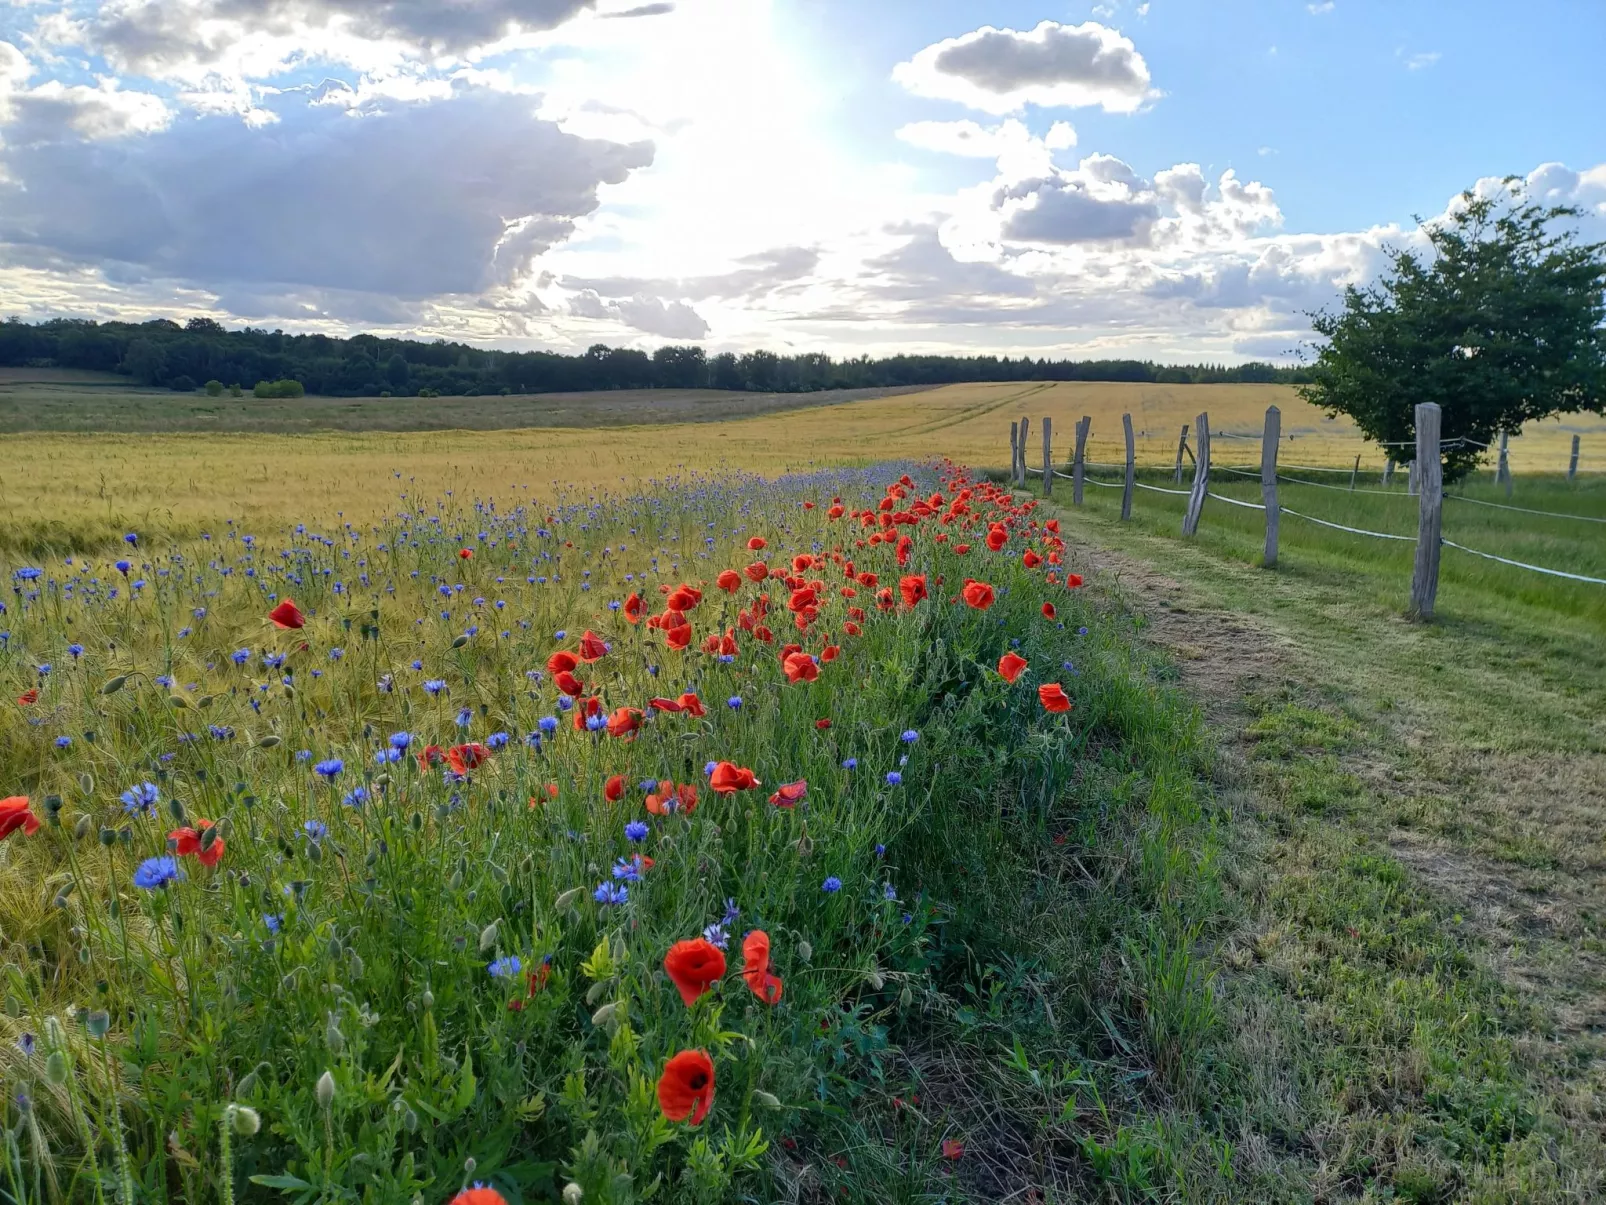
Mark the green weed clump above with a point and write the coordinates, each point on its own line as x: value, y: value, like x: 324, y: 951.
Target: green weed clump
x: 377, y: 898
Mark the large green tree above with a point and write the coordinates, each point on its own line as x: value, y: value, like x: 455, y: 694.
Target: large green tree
x: 1499, y: 321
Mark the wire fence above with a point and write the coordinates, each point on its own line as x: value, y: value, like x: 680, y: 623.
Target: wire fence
x: 1423, y: 488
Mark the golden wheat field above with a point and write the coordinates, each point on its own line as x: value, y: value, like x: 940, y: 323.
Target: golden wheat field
x: 66, y: 490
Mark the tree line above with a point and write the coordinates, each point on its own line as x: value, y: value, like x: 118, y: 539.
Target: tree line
x: 184, y: 357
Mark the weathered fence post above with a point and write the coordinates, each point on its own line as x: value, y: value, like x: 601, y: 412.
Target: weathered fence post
x: 1182, y: 446
x: 1269, y: 440
x: 1048, y: 457
x: 1388, y: 472
x: 1201, y: 477
x: 1502, y: 473
x: 1354, y: 473
x: 1014, y: 451
x: 1572, y: 464
x: 1430, y: 476
x: 1411, y: 482
x: 1079, y: 470
x: 1131, y: 468
x: 1025, y: 426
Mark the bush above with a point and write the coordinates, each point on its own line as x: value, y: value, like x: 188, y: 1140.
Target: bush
x: 236, y: 391
x: 279, y: 389
x: 214, y: 388
x: 181, y: 384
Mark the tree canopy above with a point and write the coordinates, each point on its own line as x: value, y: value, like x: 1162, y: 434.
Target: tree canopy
x: 1500, y: 322
x: 162, y: 353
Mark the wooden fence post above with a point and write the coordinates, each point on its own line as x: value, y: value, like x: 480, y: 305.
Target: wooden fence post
x: 1502, y: 472
x: 1388, y: 472
x: 1355, y: 472
x: 1411, y: 483
x: 1048, y: 457
x: 1025, y: 426
x: 1182, y: 446
x: 1572, y: 464
x: 1014, y: 451
x: 1430, y: 476
x: 1131, y: 468
x: 1079, y: 470
x: 1201, y: 477
x: 1270, y: 438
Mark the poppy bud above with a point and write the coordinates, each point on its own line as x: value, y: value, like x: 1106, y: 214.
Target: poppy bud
x: 566, y: 900
x: 56, y: 1068
x: 333, y: 1036
x: 573, y: 1194
x: 325, y: 1091
x: 460, y: 641
x: 268, y: 742
x: 97, y: 1023
x: 113, y: 685
x: 805, y: 951
x: 86, y: 783
x: 246, y: 1120
x: 488, y: 936
x: 428, y: 999
x: 876, y: 980
x: 606, y: 1015
x: 469, y: 1165
x: 410, y: 1121
x: 81, y: 829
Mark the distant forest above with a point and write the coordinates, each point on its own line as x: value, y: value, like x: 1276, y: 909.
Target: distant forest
x: 163, y: 353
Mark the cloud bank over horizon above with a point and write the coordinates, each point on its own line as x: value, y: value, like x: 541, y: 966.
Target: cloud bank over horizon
x: 554, y: 173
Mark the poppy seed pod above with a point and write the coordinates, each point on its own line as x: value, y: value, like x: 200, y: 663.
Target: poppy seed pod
x: 246, y: 1120
x: 97, y: 1023
x: 325, y: 1090
x: 573, y: 1194
x: 56, y: 1068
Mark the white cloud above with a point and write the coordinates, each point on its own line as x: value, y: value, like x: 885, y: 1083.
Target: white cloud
x: 1419, y: 62
x: 1052, y: 66
x: 650, y: 315
x: 1320, y: 7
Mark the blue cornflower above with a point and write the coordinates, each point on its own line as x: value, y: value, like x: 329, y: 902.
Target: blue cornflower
x: 832, y: 885
x: 329, y: 768
x: 418, y: 665
x: 547, y: 724
x: 400, y: 740
x: 636, y: 830
x: 316, y: 829
x: 888, y: 891
x: 506, y: 968
x: 28, y: 574
x: 496, y: 740
x: 715, y: 935
x: 387, y: 757
x: 240, y: 656
x: 336, y: 654
x: 164, y: 680
x: 221, y: 732
x: 26, y: 1043
x: 610, y: 893
x: 894, y: 778
x: 272, y: 922
x: 910, y: 736
x: 734, y: 702
x: 1081, y: 631
x: 123, y: 567
x: 465, y: 717
x: 157, y: 872
x: 272, y: 660
x: 63, y: 742
x: 565, y: 703
x: 708, y: 769
x: 355, y: 797
x: 596, y: 723
x: 131, y: 539
x: 141, y: 798
x: 880, y: 850
x: 434, y: 686
x: 851, y: 763
x: 626, y: 871
x: 75, y: 651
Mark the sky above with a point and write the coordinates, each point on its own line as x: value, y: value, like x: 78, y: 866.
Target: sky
x: 1176, y: 180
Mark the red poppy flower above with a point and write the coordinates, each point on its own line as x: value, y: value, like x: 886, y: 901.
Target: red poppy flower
x: 694, y: 967
x: 463, y: 758
x: 728, y: 779
x: 763, y: 633
x: 913, y: 588
x: 466, y: 554
x: 679, y: 637
x: 1011, y: 666
x: 978, y: 594
x: 800, y: 667
x: 1049, y: 612
x: 624, y: 722
x: 822, y: 725
x: 952, y: 1148
x: 869, y: 580
x: 585, y: 709
x: 669, y: 798
x: 729, y: 581
x: 686, y: 1088
x: 592, y: 647
x: 1053, y: 697
x: 757, y: 543
x: 789, y: 794
x: 634, y: 608
x: 830, y: 653
x: 672, y: 705
x: 479, y: 1195
x: 614, y: 789
x: 569, y: 684
x: 851, y: 628
x: 14, y: 814
x: 757, y: 571
x: 187, y: 843
x: 692, y: 705
x: 1073, y: 580
x: 287, y: 615
x: 961, y: 549
x: 1030, y: 559
x: 756, y: 967
x: 561, y: 661
x: 683, y: 599
x: 430, y: 755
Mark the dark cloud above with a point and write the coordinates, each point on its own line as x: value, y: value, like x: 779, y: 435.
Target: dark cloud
x: 1004, y: 60
x: 419, y: 201
x: 760, y: 275
x: 644, y: 10
x: 924, y: 269
x: 154, y: 37
x: 652, y: 315
x: 1066, y: 211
